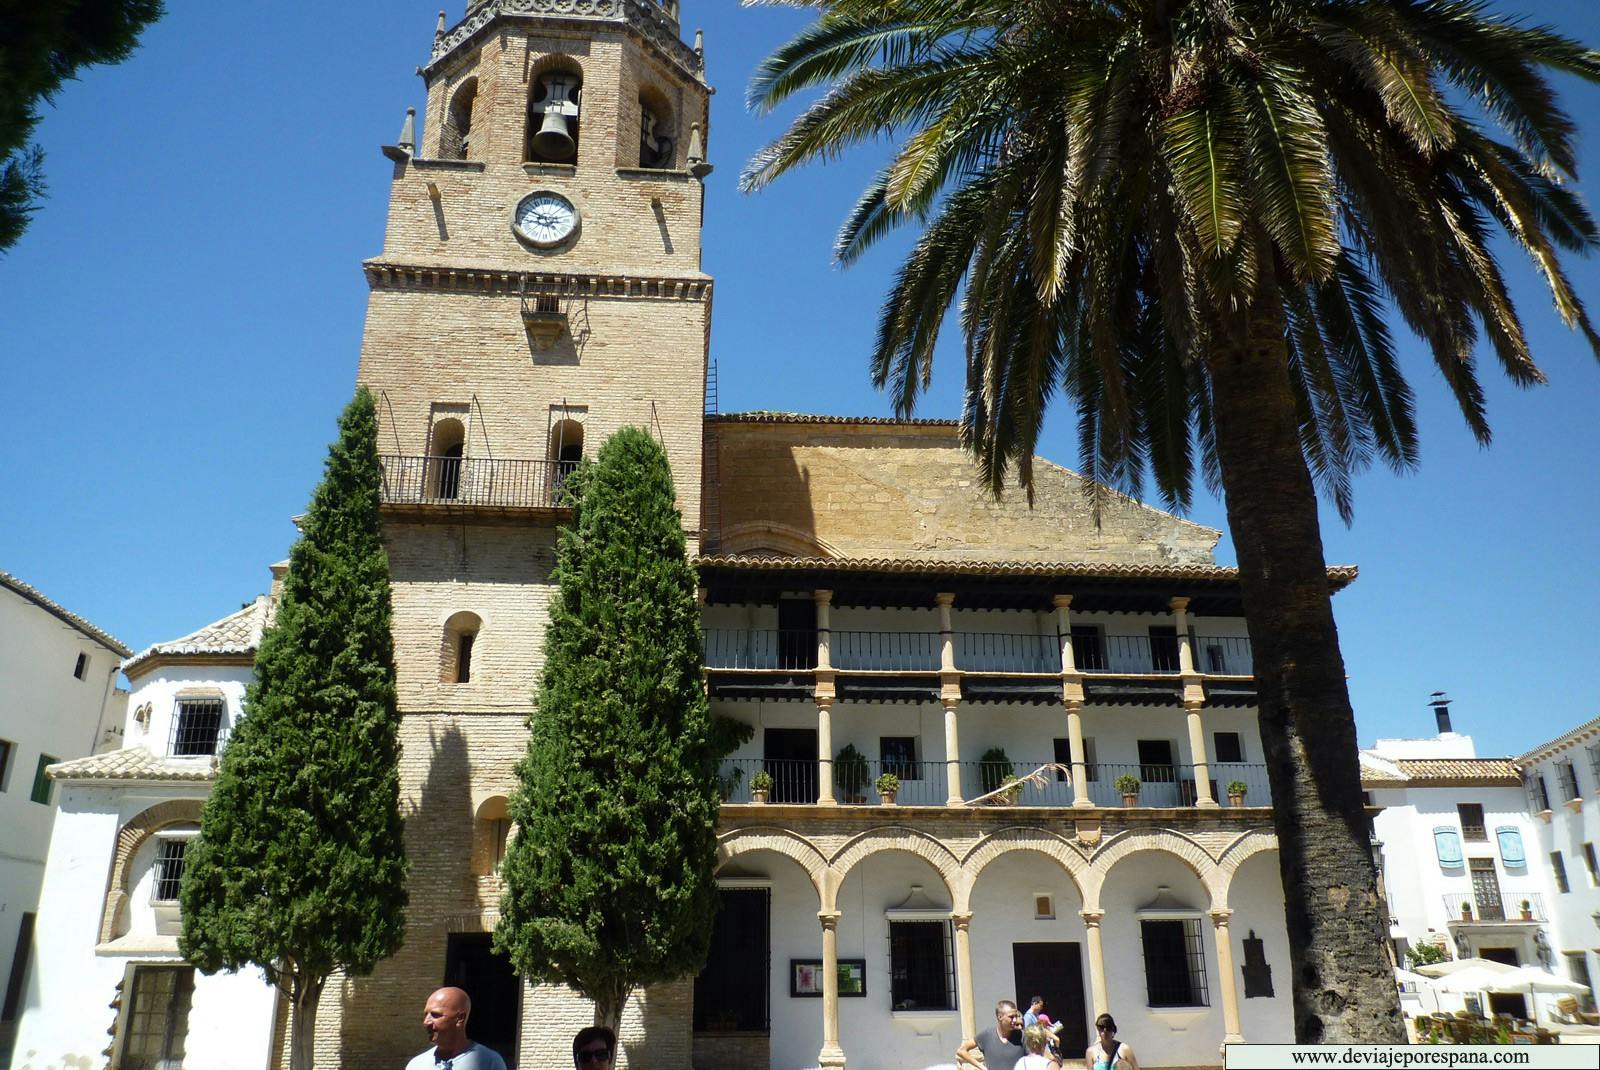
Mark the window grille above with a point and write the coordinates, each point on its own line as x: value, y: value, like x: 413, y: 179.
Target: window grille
x: 1593, y: 866
x: 1578, y: 970
x: 1559, y: 866
x: 1538, y: 794
x: 1472, y: 827
x: 1088, y: 648
x: 157, y: 1017
x: 1174, y: 963
x: 921, y: 968
x: 731, y: 994
x: 169, y: 870
x: 196, y: 727
x: 899, y: 756
x: 1568, y: 775
x: 1594, y: 763
x: 7, y: 749
x: 82, y: 667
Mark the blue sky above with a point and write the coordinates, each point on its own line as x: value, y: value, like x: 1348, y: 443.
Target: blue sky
x: 183, y: 319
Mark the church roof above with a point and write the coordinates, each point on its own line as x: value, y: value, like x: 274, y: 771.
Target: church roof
x: 766, y: 416
x: 32, y: 594
x: 235, y: 635
x: 1338, y: 575
x: 134, y: 763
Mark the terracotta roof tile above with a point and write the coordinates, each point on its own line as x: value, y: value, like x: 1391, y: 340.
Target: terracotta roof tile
x: 763, y: 416
x: 32, y: 594
x: 237, y: 633
x: 1479, y: 769
x: 1340, y: 575
x: 133, y: 763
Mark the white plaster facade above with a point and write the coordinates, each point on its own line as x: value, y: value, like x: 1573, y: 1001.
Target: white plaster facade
x: 60, y: 701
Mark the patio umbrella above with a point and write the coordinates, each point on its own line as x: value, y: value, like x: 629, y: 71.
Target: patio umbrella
x: 1475, y: 978
x: 1533, y: 979
x: 1420, y: 983
x: 1444, y: 969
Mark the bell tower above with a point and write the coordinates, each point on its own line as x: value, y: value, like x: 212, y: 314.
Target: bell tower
x: 539, y: 287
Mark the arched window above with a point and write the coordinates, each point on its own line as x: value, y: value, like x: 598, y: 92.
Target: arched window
x: 444, y: 458
x: 565, y: 451
x: 455, y: 655
x: 657, y: 137
x: 457, y: 133
x: 553, y: 108
x: 491, y: 831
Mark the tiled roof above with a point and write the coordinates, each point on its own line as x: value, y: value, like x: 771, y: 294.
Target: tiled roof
x: 32, y: 594
x: 1456, y: 769
x: 762, y: 416
x: 1566, y: 739
x: 1338, y: 575
x: 133, y: 763
x: 236, y: 634
x: 1375, y: 770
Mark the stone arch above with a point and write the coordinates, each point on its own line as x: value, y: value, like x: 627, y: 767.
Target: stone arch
x: 562, y: 74
x: 130, y: 838
x: 457, y: 640
x: 791, y: 845
x: 1085, y: 878
x: 456, y: 137
x: 760, y: 536
x: 491, y: 832
x: 1237, y: 853
x: 659, y: 123
x: 894, y: 838
x: 1164, y: 841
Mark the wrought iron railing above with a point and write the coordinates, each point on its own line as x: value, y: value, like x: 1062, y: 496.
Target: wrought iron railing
x: 743, y: 648
x: 885, y: 651
x: 997, y: 652
x: 1507, y: 906
x: 1223, y: 655
x: 473, y: 481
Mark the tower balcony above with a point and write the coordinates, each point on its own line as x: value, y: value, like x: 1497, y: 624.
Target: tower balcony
x: 485, y: 486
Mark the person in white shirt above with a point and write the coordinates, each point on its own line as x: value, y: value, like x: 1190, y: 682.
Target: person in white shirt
x: 445, y: 1016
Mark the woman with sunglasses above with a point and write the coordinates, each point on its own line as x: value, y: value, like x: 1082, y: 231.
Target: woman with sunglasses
x: 1109, y: 1053
x: 593, y: 1048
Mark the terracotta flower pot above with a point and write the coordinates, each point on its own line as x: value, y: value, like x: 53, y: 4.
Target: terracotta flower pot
x: 1130, y: 799
x: 758, y: 795
x: 888, y: 797
x: 1236, y: 800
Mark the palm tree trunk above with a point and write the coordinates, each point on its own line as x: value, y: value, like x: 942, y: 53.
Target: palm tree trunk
x: 1343, y: 986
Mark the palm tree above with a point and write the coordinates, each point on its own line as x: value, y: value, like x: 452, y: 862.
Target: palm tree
x: 1189, y: 216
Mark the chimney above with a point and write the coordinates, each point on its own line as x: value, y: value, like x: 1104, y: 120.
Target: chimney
x: 1441, y: 711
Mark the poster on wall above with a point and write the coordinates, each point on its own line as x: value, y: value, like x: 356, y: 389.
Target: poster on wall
x: 805, y: 977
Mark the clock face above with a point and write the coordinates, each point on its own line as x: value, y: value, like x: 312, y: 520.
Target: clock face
x: 545, y: 219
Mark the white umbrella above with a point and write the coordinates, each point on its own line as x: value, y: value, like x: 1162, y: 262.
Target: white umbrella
x: 1417, y: 981
x: 1444, y: 969
x: 1534, y: 979
x: 1475, y: 978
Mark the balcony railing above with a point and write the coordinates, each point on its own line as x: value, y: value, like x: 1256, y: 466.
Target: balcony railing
x: 473, y: 481
x: 926, y: 783
x: 1506, y: 907
x: 975, y: 652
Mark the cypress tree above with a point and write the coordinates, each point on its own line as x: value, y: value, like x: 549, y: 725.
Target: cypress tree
x: 609, y: 881
x: 299, y: 867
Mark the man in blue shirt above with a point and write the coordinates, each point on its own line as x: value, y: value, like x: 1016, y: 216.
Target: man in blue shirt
x: 1035, y: 1008
x: 445, y: 1016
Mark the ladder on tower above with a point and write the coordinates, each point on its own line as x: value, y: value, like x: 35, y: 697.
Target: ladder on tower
x: 710, y: 482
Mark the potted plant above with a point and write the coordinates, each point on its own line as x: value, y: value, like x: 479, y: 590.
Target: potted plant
x: 1527, y: 910
x: 850, y: 774
x: 888, y: 788
x: 994, y: 768
x: 1466, y: 910
x: 760, y: 786
x: 1236, y: 790
x: 1128, y: 787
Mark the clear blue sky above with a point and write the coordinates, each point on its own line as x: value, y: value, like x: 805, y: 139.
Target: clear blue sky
x: 183, y: 318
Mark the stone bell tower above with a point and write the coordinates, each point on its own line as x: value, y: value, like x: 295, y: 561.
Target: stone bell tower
x: 539, y: 287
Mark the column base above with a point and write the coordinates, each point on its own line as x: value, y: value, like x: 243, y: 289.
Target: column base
x: 833, y: 802
x: 1207, y: 804
x: 1083, y: 804
x: 831, y: 1057
x: 955, y: 800
x: 1230, y: 1038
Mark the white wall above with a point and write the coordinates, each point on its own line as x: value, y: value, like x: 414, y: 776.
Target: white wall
x: 160, y: 689
x: 1566, y: 830
x: 46, y: 710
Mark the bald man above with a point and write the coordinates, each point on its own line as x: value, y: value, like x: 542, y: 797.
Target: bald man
x: 445, y: 1016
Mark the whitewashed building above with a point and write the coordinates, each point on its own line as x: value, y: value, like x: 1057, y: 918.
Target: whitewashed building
x: 108, y: 986
x: 59, y: 700
x: 1459, y: 849
x: 1561, y: 782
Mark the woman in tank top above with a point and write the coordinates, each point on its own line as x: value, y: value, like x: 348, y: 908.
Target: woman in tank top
x: 1036, y: 1041
x: 1109, y: 1053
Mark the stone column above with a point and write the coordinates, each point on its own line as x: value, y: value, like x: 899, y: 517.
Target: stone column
x: 1194, y: 698
x: 1180, y: 621
x: 1097, y: 960
x: 969, y: 1015
x: 832, y: 1054
x: 1072, y: 701
x: 952, y: 748
x: 824, y: 601
x: 1197, y: 746
x: 824, y: 698
x: 1231, y: 1032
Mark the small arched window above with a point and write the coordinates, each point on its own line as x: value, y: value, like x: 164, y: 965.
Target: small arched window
x: 553, y: 108
x: 445, y: 451
x: 457, y: 133
x: 657, y: 140
x: 455, y: 655
x: 491, y: 831
x: 565, y: 451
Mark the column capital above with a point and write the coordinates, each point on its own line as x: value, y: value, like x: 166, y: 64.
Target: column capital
x: 1220, y: 918
x: 824, y: 699
x: 944, y: 598
x: 1092, y: 918
x: 1178, y: 603
x: 829, y: 920
x: 823, y: 597
x: 1061, y: 601
x: 962, y: 921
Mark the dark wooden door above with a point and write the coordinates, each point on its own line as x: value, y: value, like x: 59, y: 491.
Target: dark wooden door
x: 1054, y: 971
x: 797, y: 633
x: 791, y: 758
x: 1486, y: 891
x: 730, y: 994
x: 472, y: 965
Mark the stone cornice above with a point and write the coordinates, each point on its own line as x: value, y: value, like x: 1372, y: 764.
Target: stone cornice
x: 389, y: 275
x: 647, y: 18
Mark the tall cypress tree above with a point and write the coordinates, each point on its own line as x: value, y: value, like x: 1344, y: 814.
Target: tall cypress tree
x: 609, y: 881
x: 299, y: 867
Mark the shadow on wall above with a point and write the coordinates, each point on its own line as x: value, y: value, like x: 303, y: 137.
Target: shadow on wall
x: 381, y: 1020
x: 765, y: 504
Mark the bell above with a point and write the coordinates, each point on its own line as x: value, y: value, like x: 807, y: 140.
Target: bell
x: 552, y: 142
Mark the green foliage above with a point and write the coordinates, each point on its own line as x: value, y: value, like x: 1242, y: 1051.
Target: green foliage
x: 609, y: 882
x: 728, y: 735
x: 1127, y: 784
x: 887, y: 782
x: 1425, y: 955
x: 43, y: 45
x: 300, y: 867
x: 1237, y: 787
x: 762, y: 781
x: 993, y: 768
x: 850, y: 772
